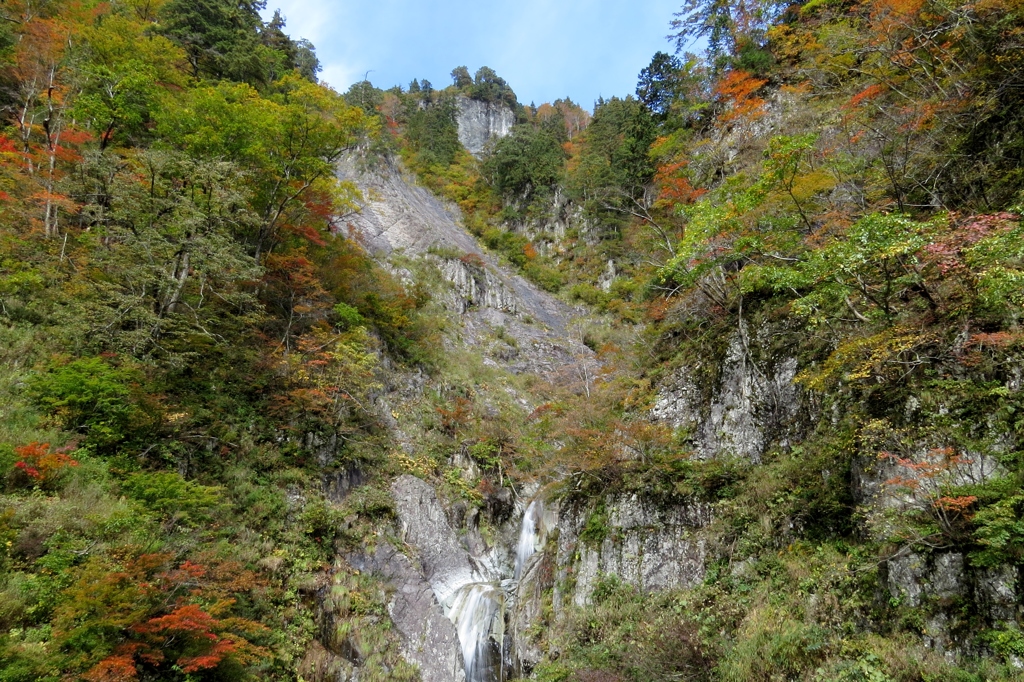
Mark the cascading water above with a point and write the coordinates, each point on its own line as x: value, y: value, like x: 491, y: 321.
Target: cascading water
x: 477, y: 608
x: 473, y: 613
x: 537, y: 520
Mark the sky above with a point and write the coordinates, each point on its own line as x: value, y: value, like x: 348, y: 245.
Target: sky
x: 545, y: 49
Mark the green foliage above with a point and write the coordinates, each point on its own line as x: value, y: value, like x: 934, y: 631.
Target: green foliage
x: 526, y: 164
x: 91, y: 397
x: 613, y: 165
x: 433, y: 133
x: 348, y: 316
x: 1000, y: 532
x: 626, y: 635
x: 173, y: 498
x: 657, y: 86
x: 222, y: 39
x: 595, y: 530
x: 182, y: 325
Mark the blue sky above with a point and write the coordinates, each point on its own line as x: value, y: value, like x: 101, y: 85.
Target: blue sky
x: 545, y: 49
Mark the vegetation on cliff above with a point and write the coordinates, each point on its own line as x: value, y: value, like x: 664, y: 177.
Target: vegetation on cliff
x: 191, y: 347
x: 180, y: 336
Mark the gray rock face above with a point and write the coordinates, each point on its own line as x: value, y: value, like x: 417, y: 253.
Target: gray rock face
x: 446, y: 563
x: 481, y: 122
x: 429, y: 639
x: 650, y: 547
x: 912, y: 577
x: 397, y: 214
x: 748, y: 406
x: 938, y: 584
x: 877, y: 480
x: 528, y: 608
x: 476, y: 285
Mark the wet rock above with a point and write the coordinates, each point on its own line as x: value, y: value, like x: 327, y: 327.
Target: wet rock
x: 429, y: 639
x: 425, y: 526
x: 997, y: 593
x: 750, y: 405
x: 338, y: 484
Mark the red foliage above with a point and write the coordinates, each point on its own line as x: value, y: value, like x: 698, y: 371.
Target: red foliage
x: 211, y: 659
x: 674, y: 188
x: 40, y: 464
x: 946, y: 252
x: 995, y: 340
x: 473, y: 260
x: 868, y: 93
x: 117, y: 668
x: 457, y: 418
x: 958, y: 505
x: 658, y: 308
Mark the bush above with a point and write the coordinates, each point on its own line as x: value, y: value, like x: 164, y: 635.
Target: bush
x: 91, y: 397
x: 168, y: 494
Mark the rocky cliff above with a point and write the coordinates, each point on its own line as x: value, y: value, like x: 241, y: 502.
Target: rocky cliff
x: 478, y: 584
x: 480, y: 122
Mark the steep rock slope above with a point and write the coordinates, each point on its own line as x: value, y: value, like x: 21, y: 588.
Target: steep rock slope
x: 399, y: 216
x: 653, y: 548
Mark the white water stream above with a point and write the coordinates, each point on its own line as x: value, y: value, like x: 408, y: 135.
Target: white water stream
x: 473, y: 613
x: 537, y: 521
x: 477, y: 608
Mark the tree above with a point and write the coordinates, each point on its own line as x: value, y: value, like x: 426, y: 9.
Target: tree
x: 434, y: 132
x: 222, y: 39
x: 527, y: 163
x: 300, y: 55
x: 613, y: 167
x: 287, y: 145
x: 173, y: 266
x: 657, y: 87
x: 306, y: 61
x: 735, y: 31
x: 488, y: 86
x: 461, y: 77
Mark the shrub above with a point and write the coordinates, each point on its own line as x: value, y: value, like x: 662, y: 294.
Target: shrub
x: 91, y: 397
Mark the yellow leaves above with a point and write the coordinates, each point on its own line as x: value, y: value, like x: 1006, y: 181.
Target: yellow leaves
x: 420, y: 467
x: 885, y: 356
x: 789, y: 43
x: 118, y: 40
x: 810, y: 184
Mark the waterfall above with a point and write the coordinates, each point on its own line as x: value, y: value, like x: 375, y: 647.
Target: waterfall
x: 537, y: 520
x: 473, y: 613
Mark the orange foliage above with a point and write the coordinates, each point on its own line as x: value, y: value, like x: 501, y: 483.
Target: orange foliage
x: 40, y: 464
x: 887, y: 13
x: 738, y: 90
x: 117, y: 668
x: 957, y: 505
x: 192, y: 636
x: 928, y: 476
x: 658, y: 309
x: 995, y: 340
x: 457, y: 418
x: 674, y: 187
x: 868, y: 93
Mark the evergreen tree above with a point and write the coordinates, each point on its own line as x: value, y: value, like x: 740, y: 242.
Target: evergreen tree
x: 223, y: 39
